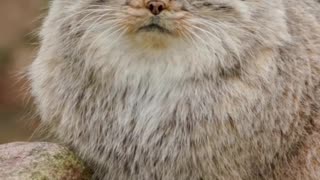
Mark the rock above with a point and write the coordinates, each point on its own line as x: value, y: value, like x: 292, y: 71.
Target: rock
x: 40, y: 161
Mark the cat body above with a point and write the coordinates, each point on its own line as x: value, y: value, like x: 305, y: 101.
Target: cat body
x: 194, y: 89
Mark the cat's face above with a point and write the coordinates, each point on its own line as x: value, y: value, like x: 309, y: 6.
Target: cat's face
x: 155, y: 20
x: 220, y: 29
x: 159, y: 19
x: 173, y: 17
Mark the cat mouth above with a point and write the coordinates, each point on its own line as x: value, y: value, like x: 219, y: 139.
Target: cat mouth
x: 154, y: 28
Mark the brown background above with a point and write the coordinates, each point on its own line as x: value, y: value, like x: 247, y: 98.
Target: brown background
x: 19, y: 26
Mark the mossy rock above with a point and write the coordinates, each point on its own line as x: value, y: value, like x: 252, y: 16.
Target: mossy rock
x: 40, y: 161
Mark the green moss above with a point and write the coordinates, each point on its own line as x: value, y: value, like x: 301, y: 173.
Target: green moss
x: 54, y: 164
x: 62, y: 165
x: 38, y: 176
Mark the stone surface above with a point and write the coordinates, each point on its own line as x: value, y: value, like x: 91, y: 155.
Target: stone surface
x: 40, y: 161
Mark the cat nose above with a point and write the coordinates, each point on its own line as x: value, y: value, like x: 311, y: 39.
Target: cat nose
x: 156, y: 6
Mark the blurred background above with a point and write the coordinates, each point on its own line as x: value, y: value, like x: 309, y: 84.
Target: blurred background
x: 19, y: 25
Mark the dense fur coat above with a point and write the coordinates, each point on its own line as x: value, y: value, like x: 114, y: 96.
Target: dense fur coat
x: 215, y: 90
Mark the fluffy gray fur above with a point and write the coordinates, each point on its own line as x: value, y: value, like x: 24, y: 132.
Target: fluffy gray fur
x: 234, y: 94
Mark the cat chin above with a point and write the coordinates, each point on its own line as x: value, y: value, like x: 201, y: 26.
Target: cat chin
x: 154, y: 38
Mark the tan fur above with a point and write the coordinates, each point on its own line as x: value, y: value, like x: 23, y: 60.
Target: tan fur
x: 227, y: 89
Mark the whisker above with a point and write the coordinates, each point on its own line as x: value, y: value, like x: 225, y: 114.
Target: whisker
x: 234, y: 46
x: 86, y: 11
x: 108, y: 33
x: 84, y: 21
x: 89, y: 29
x: 207, y: 33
